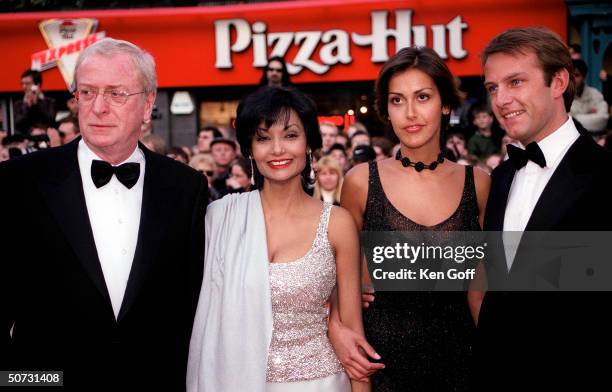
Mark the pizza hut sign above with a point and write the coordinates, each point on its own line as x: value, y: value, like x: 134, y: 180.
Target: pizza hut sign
x: 336, y: 43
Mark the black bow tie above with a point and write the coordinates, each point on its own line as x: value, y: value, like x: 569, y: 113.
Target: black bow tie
x: 532, y: 152
x: 102, y: 172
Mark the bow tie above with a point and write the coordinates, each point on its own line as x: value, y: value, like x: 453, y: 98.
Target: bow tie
x: 519, y: 157
x: 102, y: 172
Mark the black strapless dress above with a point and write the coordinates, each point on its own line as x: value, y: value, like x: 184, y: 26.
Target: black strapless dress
x: 424, y: 338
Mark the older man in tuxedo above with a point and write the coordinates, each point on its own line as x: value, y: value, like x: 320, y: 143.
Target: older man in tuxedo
x: 557, y: 180
x: 105, y: 284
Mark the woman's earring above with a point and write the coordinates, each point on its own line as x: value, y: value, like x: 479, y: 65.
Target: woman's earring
x: 252, y: 172
x: 312, y: 172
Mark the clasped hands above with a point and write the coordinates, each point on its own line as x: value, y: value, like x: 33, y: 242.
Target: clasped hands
x: 352, y: 349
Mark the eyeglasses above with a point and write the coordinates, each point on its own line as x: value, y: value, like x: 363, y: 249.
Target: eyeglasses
x: 279, y: 70
x: 113, y: 97
x: 209, y: 173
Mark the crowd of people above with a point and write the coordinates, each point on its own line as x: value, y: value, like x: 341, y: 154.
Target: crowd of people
x: 474, y: 136
x: 245, y: 274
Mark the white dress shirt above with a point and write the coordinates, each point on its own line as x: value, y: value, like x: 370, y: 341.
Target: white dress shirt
x: 114, y: 215
x: 529, y: 183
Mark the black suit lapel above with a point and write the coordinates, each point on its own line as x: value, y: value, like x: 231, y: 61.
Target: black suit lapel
x: 158, y: 191
x: 569, y: 181
x: 66, y: 201
x: 501, y: 182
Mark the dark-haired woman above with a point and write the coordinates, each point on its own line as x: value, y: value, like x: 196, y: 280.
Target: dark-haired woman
x: 424, y: 338
x: 273, y: 258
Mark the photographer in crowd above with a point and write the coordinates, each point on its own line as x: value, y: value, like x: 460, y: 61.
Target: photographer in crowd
x: 34, y: 107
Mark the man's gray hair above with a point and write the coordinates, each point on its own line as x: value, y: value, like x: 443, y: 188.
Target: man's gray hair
x: 109, y: 47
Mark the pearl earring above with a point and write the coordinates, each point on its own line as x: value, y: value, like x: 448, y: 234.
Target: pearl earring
x: 312, y: 172
x: 252, y: 172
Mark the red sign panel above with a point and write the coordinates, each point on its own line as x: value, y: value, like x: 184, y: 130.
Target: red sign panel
x: 323, y: 41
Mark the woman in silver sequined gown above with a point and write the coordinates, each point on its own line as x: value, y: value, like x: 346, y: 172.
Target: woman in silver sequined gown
x: 424, y: 338
x: 312, y: 248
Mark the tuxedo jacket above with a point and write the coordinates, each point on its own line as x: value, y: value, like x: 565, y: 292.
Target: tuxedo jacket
x: 53, y: 292
x: 548, y: 338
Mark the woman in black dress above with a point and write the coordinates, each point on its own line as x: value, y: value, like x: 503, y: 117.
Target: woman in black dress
x: 424, y: 338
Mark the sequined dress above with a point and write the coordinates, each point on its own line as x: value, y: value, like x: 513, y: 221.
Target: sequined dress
x: 424, y: 338
x: 300, y: 352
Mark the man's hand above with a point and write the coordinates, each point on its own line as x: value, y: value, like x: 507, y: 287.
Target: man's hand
x: 31, y: 98
x: 232, y: 183
x: 367, y: 294
x: 353, y: 351
x: 366, y: 299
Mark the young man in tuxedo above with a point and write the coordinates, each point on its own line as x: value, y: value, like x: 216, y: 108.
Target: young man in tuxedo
x: 558, y: 180
x: 104, y: 288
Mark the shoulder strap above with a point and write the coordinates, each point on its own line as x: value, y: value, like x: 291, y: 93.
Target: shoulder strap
x: 324, y: 220
x: 469, y: 187
x: 374, y: 188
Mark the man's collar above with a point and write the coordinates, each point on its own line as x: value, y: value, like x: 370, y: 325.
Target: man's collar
x: 136, y: 156
x: 554, y: 144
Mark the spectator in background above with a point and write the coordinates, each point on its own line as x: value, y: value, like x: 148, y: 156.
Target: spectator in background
x: 73, y: 107
x: 342, y: 139
x: 455, y: 143
x: 575, y: 51
x: 223, y: 152
x: 178, y: 154
x: 4, y: 154
x: 16, y: 145
x: 34, y: 107
x: 493, y: 161
x: 356, y: 126
x: 382, y: 146
x: 329, y: 132
x: 275, y: 74
x: 155, y: 143
x: 359, y: 138
x: 55, y: 137
x: 205, y: 164
x: 507, y: 139
x: 606, y: 86
x: 187, y: 151
x: 481, y: 143
x: 69, y: 129
x: 205, y: 137
x: 329, y: 180
x: 363, y: 153
x: 338, y: 152
x: 589, y: 106
x: 37, y: 138
x: 607, y: 142
x: 240, y: 174
x: 460, y: 117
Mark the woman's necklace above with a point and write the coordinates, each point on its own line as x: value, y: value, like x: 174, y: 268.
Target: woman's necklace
x: 419, y: 166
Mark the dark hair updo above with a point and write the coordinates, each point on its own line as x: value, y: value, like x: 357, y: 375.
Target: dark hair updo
x: 272, y: 105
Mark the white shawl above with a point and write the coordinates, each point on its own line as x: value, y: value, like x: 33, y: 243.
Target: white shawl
x: 233, y: 323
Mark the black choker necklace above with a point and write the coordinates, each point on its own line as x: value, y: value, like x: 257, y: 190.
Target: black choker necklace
x: 419, y: 166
